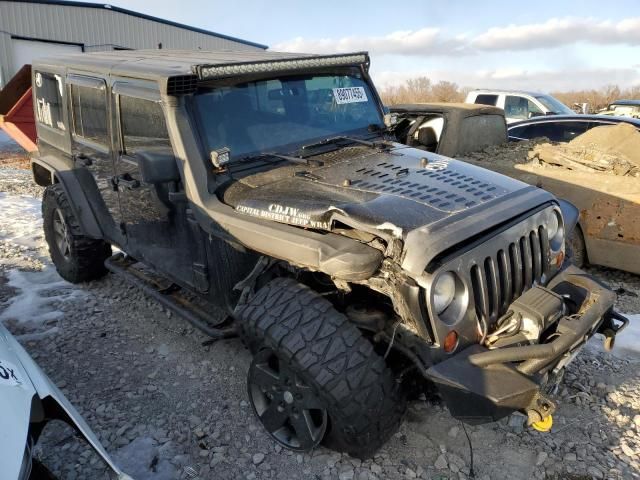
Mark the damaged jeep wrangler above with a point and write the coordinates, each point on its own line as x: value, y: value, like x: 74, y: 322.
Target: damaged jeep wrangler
x: 352, y: 266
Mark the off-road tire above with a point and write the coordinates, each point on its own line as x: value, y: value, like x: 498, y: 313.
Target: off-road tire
x: 86, y: 257
x: 576, y: 248
x: 364, y: 403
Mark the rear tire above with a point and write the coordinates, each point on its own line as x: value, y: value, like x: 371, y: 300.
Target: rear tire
x: 329, y: 355
x: 77, y: 258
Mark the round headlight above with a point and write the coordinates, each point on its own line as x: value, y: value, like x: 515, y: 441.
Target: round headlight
x: 555, y: 231
x: 444, y: 291
x: 553, y: 226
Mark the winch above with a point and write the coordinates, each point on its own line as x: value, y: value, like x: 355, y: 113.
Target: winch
x: 528, y: 316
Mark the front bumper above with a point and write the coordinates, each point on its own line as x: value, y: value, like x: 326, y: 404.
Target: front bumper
x: 480, y: 385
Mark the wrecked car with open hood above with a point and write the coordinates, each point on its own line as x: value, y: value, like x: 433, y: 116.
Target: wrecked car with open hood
x: 29, y: 400
x: 351, y: 265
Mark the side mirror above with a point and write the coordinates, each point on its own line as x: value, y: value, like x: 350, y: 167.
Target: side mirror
x: 157, y: 167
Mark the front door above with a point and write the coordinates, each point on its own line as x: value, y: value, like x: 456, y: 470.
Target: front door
x: 155, y: 216
x: 91, y: 150
x: 518, y: 108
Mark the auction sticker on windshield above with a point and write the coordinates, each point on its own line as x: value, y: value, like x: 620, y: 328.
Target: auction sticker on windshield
x: 8, y: 374
x: 349, y: 95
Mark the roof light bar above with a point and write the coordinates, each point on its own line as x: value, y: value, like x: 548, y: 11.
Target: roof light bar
x: 210, y: 72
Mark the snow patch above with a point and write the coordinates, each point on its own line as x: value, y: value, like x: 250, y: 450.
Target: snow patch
x: 627, y: 344
x: 35, y: 305
x: 7, y: 144
x: 21, y: 220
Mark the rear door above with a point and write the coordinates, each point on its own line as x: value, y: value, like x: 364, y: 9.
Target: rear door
x: 155, y: 216
x: 91, y: 149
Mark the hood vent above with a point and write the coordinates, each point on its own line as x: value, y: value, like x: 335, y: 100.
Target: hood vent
x: 437, y: 186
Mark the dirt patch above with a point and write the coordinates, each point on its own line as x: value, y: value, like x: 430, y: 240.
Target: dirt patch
x: 14, y: 160
x: 608, y: 149
x: 614, y: 219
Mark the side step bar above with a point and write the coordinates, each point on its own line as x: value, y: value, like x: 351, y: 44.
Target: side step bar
x: 170, y: 297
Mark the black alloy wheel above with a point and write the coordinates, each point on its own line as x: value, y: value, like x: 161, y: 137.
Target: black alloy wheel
x: 288, y: 409
x: 61, y: 236
x: 77, y: 257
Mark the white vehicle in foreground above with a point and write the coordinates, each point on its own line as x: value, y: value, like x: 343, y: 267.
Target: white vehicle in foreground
x: 519, y: 105
x: 28, y: 400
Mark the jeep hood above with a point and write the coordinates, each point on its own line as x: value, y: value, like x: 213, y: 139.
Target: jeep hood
x: 399, y: 192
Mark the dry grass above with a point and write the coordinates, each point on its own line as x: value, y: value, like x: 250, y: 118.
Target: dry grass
x: 421, y: 89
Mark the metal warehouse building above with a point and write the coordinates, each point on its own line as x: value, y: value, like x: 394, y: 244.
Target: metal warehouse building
x: 36, y: 28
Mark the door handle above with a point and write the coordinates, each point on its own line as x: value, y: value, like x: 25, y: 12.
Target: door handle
x: 127, y: 182
x: 83, y: 160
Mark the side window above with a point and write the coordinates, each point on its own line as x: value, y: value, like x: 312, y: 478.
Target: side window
x: 554, y: 131
x: 518, y: 132
x: 49, y: 92
x: 535, y: 131
x: 520, y: 108
x: 90, y: 113
x: 143, y: 125
x: 487, y: 100
x: 567, y: 131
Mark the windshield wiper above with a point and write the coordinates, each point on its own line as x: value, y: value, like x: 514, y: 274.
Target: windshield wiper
x: 265, y: 155
x: 340, y: 138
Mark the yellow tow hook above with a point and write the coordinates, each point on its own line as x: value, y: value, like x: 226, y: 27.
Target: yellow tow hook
x: 543, y: 425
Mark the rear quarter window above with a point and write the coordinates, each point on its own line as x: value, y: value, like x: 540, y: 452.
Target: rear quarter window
x: 49, y: 92
x: 485, y: 99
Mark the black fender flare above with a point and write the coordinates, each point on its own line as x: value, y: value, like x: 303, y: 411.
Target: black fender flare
x: 63, y: 172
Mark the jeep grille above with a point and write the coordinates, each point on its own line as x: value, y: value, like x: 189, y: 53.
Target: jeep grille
x: 505, y: 275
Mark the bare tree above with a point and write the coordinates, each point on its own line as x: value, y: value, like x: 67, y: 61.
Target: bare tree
x: 444, y: 91
x: 421, y: 90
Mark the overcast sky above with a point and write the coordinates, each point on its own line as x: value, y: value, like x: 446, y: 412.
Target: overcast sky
x: 544, y: 45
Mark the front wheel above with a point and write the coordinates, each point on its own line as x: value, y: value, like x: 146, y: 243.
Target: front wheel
x: 576, y: 248
x: 77, y: 258
x: 288, y: 408
x: 314, y: 376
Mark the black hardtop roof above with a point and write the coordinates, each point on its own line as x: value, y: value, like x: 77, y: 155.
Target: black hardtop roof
x: 625, y: 102
x: 161, y: 64
x: 461, y: 109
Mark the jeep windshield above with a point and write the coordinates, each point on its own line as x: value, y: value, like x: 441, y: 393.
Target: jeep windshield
x: 283, y: 114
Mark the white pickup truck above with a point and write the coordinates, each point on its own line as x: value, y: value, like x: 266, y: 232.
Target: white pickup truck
x: 519, y: 105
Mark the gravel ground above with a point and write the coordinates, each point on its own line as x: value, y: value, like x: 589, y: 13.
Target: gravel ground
x: 166, y: 406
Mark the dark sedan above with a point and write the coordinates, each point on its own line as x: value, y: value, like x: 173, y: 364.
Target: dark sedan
x: 562, y: 128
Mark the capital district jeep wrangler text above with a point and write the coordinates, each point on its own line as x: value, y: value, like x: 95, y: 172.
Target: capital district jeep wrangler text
x: 271, y: 185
